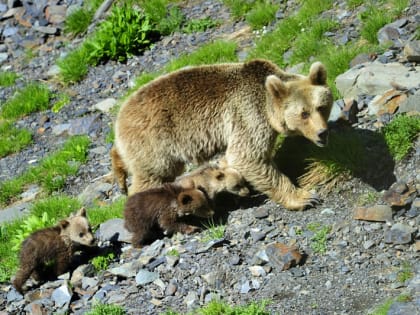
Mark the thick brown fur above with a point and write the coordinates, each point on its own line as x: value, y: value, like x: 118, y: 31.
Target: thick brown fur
x: 150, y: 212
x: 214, y: 179
x: 47, y: 253
x: 195, y: 113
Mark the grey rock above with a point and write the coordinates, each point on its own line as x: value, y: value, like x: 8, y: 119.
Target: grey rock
x: 257, y: 271
x: 127, y: 270
x: 389, y: 34
x: 82, y: 271
x: 88, y: 282
x: 61, y: 129
x: 171, y: 261
x: 13, y: 296
x: 411, y: 104
x: 93, y: 192
x: 399, y: 234
x: 10, y: 31
x: 154, y: 249
x: 85, y: 125
x: 46, y: 29
x: 191, y: 300
x: 245, y: 288
x: 62, y: 296
x: 144, y: 277
x: 53, y: 71
x: 376, y: 78
x: 105, y: 105
x: 3, y: 57
x: 412, y: 51
x: 113, y: 230
x: 14, y: 212
x: 261, y: 213
x: 171, y: 288
x: 403, y: 308
x: 102, y: 9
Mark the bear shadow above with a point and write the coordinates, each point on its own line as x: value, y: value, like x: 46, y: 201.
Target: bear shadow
x: 363, y: 153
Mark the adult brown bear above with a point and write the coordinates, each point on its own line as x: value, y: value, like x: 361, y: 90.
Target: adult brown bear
x: 238, y: 108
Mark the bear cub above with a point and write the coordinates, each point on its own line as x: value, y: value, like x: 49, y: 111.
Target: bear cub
x: 48, y: 253
x: 214, y: 179
x: 150, y: 212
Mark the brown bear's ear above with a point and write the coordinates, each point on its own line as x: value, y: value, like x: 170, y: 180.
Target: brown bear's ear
x: 81, y: 212
x: 63, y: 224
x: 220, y: 176
x: 275, y: 86
x: 318, y: 74
x: 185, y: 199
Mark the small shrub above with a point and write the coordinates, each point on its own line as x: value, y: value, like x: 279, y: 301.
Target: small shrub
x: 12, y: 139
x: 74, y: 66
x: 33, y: 97
x: 30, y: 225
x: 78, y: 21
x: 400, y: 134
x: 106, y: 309
x: 261, y: 14
x: 102, y: 262
x: 7, y: 78
x: 199, y: 25
x: 172, y: 22
x: 319, y: 239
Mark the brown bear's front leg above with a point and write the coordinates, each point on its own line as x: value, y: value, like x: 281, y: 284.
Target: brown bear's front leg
x: 266, y: 177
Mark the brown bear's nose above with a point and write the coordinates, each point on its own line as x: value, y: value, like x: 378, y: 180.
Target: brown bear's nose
x: 323, y: 136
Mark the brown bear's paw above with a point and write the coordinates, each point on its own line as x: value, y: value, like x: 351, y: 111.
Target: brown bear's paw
x: 301, y: 200
x: 189, y: 229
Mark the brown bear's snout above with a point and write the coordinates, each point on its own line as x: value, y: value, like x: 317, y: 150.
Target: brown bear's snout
x: 323, y: 137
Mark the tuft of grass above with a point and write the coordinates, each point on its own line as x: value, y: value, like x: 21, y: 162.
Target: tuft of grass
x: 102, y: 213
x: 33, y: 97
x: 383, y: 309
x: 213, y: 231
x: 199, y: 25
x: 219, y: 307
x: 262, y: 14
x: 166, y: 17
x: 52, y: 171
x: 373, y: 19
x: 12, y: 139
x: 74, y: 66
x: 62, y: 99
x: 238, y: 8
x: 173, y: 252
x: 102, y: 262
x: 405, y: 273
x: 400, y: 134
x: 80, y: 19
x: 354, y: 3
x: 106, y: 309
x: 7, y: 78
x: 319, y: 239
x: 368, y: 198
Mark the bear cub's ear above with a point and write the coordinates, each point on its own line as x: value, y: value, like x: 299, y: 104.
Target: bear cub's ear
x: 275, y: 86
x: 318, y: 74
x: 81, y: 212
x: 220, y: 176
x: 63, y: 224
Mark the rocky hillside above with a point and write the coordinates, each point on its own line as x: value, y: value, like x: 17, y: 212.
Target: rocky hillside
x: 358, y: 249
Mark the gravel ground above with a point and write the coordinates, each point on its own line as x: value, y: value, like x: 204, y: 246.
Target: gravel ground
x: 267, y: 252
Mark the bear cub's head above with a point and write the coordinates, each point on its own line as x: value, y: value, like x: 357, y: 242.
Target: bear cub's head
x: 193, y: 202
x: 302, y: 106
x: 77, y: 229
x: 230, y: 180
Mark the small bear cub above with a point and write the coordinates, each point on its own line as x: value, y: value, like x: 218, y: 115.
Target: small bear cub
x: 159, y: 209
x: 48, y: 253
x: 215, y: 179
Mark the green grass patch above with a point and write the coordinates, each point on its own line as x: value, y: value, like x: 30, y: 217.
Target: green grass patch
x: 222, y: 308
x: 261, y: 14
x: 62, y: 99
x: 51, y: 173
x: 173, y: 252
x: 400, y: 135
x: 7, y: 78
x: 102, y: 213
x: 74, y: 66
x: 354, y: 3
x: 166, y: 16
x: 213, y: 231
x: 405, y: 273
x: 33, y: 97
x: 238, y: 8
x: 199, y: 25
x: 78, y: 21
x: 319, y: 239
x: 106, y: 309
x: 383, y: 309
x: 102, y: 262
x: 12, y: 139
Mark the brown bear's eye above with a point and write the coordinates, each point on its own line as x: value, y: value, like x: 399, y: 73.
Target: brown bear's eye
x: 305, y: 115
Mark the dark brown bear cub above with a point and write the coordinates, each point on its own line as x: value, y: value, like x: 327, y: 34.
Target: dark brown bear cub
x: 47, y: 253
x: 149, y: 213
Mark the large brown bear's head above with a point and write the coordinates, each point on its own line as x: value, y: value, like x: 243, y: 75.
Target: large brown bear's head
x: 301, y: 107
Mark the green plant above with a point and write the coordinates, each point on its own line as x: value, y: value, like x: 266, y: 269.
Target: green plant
x: 33, y: 97
x: 56, y: 207
x: 319, y: 239
x: 199, y: 25
x: 102, y: 262
x: 78, y: 21
x: 400, y: 135
x: 238, y: 8
x: 262, y: 13
x: 74, y: 66
x: 171, y: 22
x: 62, y: 99
x: 354, y: 3
x: 215, y: 307
x: 102, y: 213
x: 106, y: 309
x: 213, y: 231
x: 124, y: 33
x: 173, y: 252
x: 373, y: 19
x: 369, y: 198
x: 12, y: 139
x: 7, y: 78
x: 29, y: 225
x: 385, y: 306
x: 52, y: 171
x: 405, y: 273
